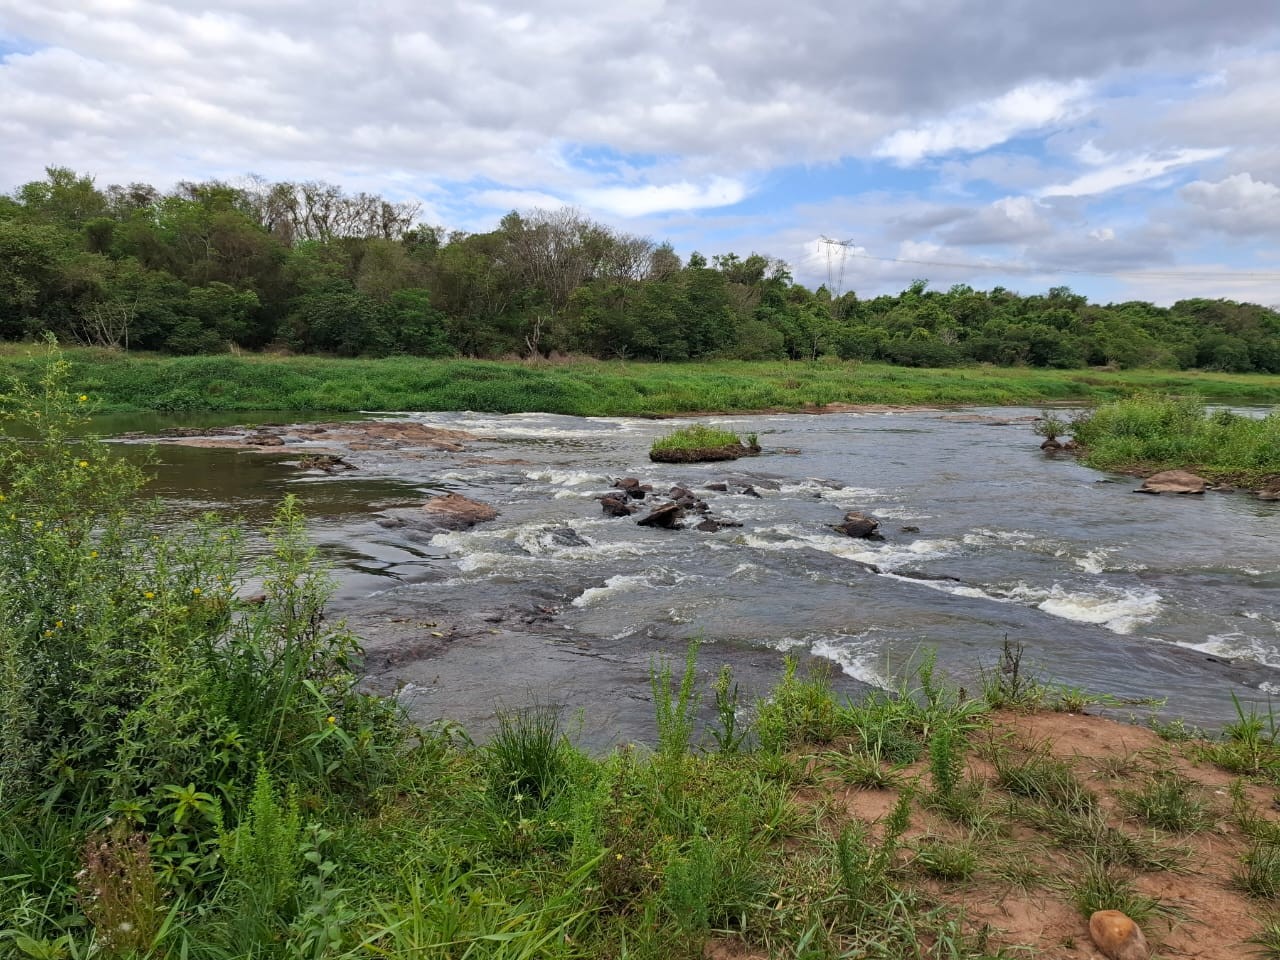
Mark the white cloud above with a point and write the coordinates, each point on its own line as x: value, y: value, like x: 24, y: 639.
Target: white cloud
x: 974, y: 128
x: 1238, y: 204
x: 639, y: 201
x: 515, y: 200
x: 1128, y: 172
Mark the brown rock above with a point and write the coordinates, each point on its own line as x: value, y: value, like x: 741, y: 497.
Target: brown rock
x: 264, y: 440
x: 666, y: 516
x: 860, y: 526
x: 1051, y: 446
x: 1269, y: 494
x: 456, y: 512
x: 1173, y: 481
x: 1117, y: 936
x: 718, y: 487
x: 616, y: 505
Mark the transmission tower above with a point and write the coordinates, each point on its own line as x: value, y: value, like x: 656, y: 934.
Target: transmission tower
x: 836, y: 250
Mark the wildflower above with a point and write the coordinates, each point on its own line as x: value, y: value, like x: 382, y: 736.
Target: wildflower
x: 149, y: 595
x: 196, y: 591
x: 82, y: 464
x: 58, y: 625
x: 617, y: 856
x: 39, y: 524
x: 332, y: 719
x: 48, y: 633
x: 93, y: 554
x: 83, y: 398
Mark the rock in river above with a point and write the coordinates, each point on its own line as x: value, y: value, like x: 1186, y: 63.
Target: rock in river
x: 860, y: 526
x: 666, y: 516
x: 456, y: 512
x: 1173, y: 481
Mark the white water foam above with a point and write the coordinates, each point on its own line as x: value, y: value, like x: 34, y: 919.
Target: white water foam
x: 622, y: 583
x: 1239, y: 646
x: 885, y: 556
x: 1119, y: 610
x: 567, y: 478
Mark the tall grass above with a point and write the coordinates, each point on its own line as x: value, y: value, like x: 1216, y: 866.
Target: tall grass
x: 584, y: 387
x: 1154, y: 432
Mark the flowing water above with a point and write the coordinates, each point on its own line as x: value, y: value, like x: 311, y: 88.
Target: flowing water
x: 1174, y: 598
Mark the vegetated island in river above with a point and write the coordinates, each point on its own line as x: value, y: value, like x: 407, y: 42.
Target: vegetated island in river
x: 127, y: 381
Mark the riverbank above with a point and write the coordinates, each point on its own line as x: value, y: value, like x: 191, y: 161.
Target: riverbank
x: 188, y: 773
x: 131, y: 382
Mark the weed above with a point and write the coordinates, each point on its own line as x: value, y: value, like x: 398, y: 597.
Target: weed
x: 526, y: 758
x: 729, y: 733
x: 863, y: 769
x: 1045, y: 780
x: 1008, y: 684
x: 1259, y: 875
x: 1169, y: 801
x: 1268, y: 938
x: 1099, y: 886
x: 949, y: 860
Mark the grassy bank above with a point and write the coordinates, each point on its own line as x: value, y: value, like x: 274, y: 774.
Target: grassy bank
x: 1149, y: 433
x: 587, y: 388
x: 184, y: 775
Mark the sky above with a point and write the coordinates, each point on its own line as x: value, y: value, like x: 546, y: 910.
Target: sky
x: 1129, y: 149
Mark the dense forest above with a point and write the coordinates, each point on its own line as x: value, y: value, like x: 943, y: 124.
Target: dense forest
x: 311, y: 268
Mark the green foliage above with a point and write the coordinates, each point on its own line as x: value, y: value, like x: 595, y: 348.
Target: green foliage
x: 1169, y: 801
x: 800, y: 711
x: 1152, y: 432
x: 264, y: 853
x: 696, y: 437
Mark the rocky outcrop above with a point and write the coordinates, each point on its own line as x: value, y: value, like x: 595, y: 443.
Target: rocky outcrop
x: 860, y: 526
x: 1173, y: 481
x: 456, y: 512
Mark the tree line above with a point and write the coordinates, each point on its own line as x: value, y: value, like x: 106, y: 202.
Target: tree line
x: 313, y: 268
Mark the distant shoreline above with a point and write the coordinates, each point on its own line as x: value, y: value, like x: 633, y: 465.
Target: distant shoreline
x: 120, y: 382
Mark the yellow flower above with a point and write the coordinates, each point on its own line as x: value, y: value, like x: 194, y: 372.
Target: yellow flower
x: 82, y: 398
x: 58, y: 625
x: 82, y: 464
x: 332, y: 719
x: 39, y: 524
x: 93, y: 554
x: 196, y: 591
x: 149, y: 595
x: 1, y: 498
x: 48, y: 633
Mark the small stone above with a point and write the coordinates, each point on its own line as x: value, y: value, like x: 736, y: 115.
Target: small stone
x: 1117, y: 936
x: 718, y: 487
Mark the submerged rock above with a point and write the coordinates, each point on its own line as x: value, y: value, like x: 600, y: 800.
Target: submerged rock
x: 1173, y: 481
x: 327, y: 462
x: 718, y: 487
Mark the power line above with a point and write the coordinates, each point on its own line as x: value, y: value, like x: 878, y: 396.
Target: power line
x: 1245, y: 276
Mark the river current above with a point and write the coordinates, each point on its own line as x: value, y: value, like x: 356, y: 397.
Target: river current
x: 986, y: 538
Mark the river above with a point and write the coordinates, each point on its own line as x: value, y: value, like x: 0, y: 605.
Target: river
x: 986, y: 538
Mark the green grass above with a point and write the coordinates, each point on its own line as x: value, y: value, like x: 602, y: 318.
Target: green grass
x: 132, y: 382
x: 1149, y: 433
x: 696, y: 437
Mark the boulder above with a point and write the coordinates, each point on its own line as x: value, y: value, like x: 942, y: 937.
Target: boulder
x: 679, y: 493
x: 859, y: 526
x: 1051, y: 446
x: 632, y: 487
x: 567, y: 537
x: 750, y: 491
x: 1173, y: 481
x: 456, y: 512
x: 666, y: 516
x: 1273, y: 494
x: 616, y: 505
x: 910, y: 528
x: 1117, y: 936
x: 718, y: 487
